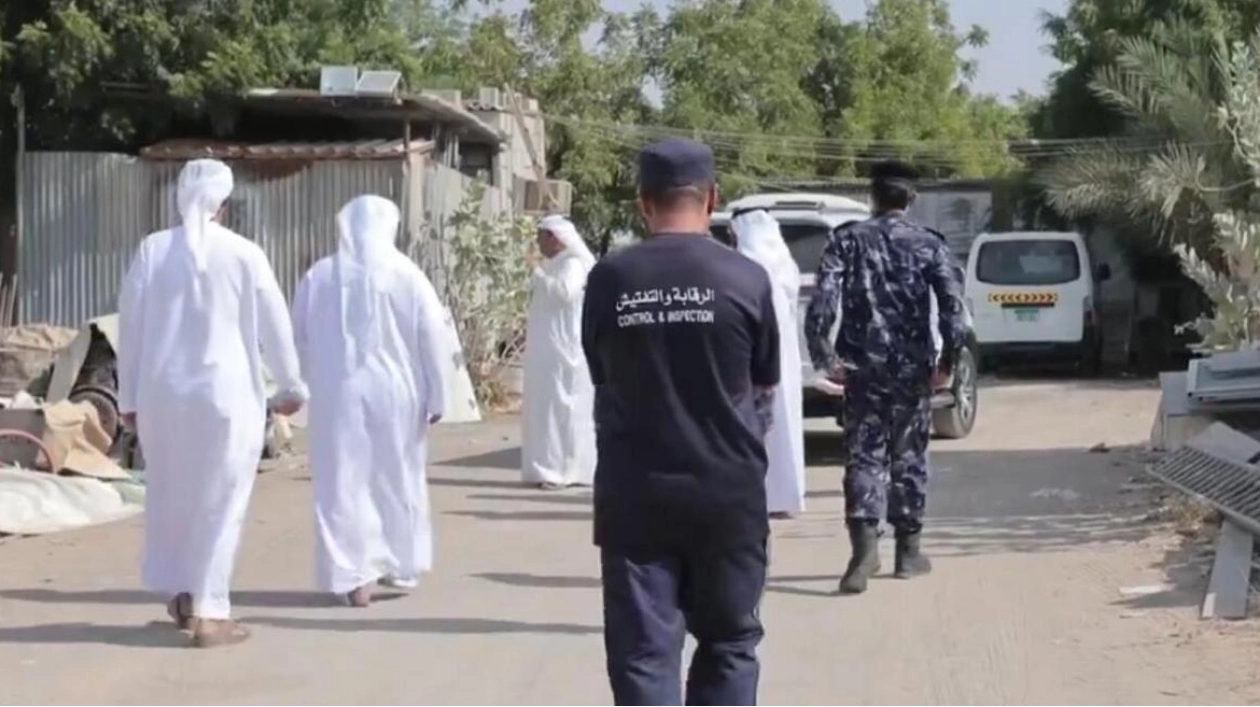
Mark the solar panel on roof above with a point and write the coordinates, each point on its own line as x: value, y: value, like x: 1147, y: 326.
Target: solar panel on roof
x: 337, y: 80
x: 378, y: 83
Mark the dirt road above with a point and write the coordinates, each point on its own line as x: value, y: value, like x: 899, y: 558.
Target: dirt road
x: 1034, y: 537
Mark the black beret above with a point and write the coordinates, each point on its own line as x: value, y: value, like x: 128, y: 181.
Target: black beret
x: 894, y: 172
x: 673, y: 163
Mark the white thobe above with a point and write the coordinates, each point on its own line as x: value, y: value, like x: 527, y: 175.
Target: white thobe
x: 785, y: 443
x: 369, y: 328
x: 759, y: 238
x: 192, y: 347
x: 558, y: 428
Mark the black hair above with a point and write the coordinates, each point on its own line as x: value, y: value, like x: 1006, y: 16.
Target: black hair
x: 676, y: 196
x: 892, y: 185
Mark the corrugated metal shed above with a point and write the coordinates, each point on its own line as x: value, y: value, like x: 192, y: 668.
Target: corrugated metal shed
x: 222, y: 150
x: 84, y: 214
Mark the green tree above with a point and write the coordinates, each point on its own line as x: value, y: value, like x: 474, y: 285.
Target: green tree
x: 909, y: 95
x: 76, y: 57
x: 1185, y: 168
x: 1090, y: 35
x: 725, y: 73
x: 1173, y: 164
x: 586, y: 91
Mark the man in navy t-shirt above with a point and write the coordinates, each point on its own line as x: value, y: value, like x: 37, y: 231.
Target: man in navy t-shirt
x: 681, y: 340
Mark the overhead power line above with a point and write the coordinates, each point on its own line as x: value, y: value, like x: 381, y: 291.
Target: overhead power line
x: 935, y: 152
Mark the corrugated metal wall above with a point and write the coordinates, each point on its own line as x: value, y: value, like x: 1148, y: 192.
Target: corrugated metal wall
x: 84, y: 213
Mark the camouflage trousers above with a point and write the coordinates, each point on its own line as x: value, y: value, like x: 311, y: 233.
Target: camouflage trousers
x: 886, y: 428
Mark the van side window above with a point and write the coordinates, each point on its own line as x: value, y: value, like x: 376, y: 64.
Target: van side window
x: 1028, y: 262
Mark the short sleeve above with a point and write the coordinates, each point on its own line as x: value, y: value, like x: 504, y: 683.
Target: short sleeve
x: 765, y: 338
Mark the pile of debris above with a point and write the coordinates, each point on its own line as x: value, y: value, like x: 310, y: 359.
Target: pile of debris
x: 66, y: 457
x: 1209, y: 423
x: 1222, y: 387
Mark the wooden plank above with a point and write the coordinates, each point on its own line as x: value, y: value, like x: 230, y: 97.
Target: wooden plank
x: 1230, y: 584
x: 540, y: 169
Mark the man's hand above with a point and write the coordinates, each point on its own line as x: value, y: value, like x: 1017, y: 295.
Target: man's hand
x: 942, y: 379
x: 836, y: 375
x: 286, y: 407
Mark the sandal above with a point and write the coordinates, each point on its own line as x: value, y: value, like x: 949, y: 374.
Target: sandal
x: 360, y: 598
x: 212, y: 633
x: 180, y: 611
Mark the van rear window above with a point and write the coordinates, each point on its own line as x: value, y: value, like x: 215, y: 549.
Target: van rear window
x: 1031, y: 262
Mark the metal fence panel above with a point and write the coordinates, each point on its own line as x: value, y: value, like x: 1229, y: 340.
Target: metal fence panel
x: 84, y: 214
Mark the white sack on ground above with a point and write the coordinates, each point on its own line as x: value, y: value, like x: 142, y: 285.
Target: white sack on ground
x: 36, y: 502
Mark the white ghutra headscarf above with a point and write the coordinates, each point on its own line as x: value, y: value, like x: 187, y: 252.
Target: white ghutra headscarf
x: 369, y: 227
x: 203, y: 187
x: 758, y: 237
x: 564, y: 231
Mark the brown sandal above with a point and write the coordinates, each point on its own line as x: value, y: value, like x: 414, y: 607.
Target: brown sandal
x: 180, y: 610
x: 360, y: 598
x: 212, y: 633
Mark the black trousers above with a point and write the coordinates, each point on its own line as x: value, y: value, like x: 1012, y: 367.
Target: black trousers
x: 653, y: 598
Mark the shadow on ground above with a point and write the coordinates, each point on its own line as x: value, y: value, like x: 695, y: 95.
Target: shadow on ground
x: 536, y: 496
x: 252, y: 598
x: 154, y: 635
x: 1186, y: 568
x: 164, y: 635
x: 509, y: 459
x: 777, y: 585
x: 429, y: 625
x: 524, y: 515
x: 1015, y: 375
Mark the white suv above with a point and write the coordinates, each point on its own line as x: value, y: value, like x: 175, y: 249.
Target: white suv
x: 805, y: 221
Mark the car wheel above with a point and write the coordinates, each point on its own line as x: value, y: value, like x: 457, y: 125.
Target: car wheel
x: 1089, y: 364
x: 956, y: 421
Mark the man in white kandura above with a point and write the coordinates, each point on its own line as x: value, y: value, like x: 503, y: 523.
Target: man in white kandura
x: 200, y: 312
x: 558, y: 435
x: 757, y: 236
x: 369, y: 329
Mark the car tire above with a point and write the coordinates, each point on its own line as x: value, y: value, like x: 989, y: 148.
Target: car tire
x: 956, y: 421
x: 1089, y: 364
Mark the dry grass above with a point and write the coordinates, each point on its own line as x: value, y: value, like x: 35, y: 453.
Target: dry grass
x: 1190, y: 517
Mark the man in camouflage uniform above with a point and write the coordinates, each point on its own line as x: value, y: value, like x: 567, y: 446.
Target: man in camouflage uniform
x: 883, y: 273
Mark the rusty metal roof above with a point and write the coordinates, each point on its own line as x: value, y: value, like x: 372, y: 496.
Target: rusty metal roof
x: 223, y: 150
x: 408, y: 106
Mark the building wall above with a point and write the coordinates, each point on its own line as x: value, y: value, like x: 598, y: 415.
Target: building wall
x: 85, y: 213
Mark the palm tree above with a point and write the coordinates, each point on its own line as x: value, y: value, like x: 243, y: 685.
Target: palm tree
x: 1166, y: 171
x: 1184, y: 168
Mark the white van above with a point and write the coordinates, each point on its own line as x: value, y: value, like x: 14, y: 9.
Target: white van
x: 1033, y: 294
x: 806, y: 220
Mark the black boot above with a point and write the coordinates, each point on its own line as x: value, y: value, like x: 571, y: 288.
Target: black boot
x: 864, y: 536
x: 910, y: 561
